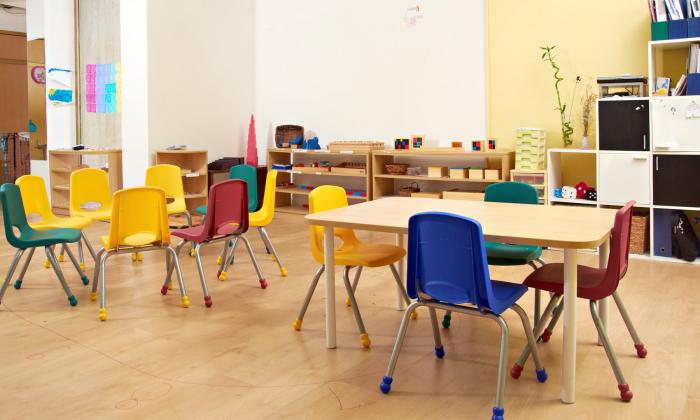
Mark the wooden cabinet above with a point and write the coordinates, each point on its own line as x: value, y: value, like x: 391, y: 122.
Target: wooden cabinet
x: 193, y: 165
x: 623, y: 125
x: 676, y: 180
x: 675, y: 122
x: 623, y: 177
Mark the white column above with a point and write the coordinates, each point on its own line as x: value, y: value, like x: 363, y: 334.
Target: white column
x: 329, y: 258
x: 568, y: 378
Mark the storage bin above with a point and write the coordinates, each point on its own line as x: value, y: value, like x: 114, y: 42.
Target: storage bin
x: 476, y: 174
x: 458, y: 173
x: 659, y: 31
x: 662, y: 233
x: 678, y: 29
x: 639, y: 236
x: 437, y: 171
x: 492, y: 174
x: 693, y: 84
x: 694, y: 27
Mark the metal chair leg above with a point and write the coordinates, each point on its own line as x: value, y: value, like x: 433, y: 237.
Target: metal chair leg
x: 11, y: 271
x: 198, y: 259
x: 517, y: 368
x: 532, y: 343
x: 547, y: 333
x: 263, y: 282
x: 364, y: 337
x: 78, y: 267
x: 102, y: 313
x: 23, y: 271
x: 229, y: 255
x: 267, y: 248
x: 81, y: 257
x: 538, y: 298
x: 57, y: 269
x: 222, y: 255
x: 268, y: 242
x: 168, y: 283
x: 89, y: 247
x: 63, y: 251
x: 498, y: 410
x: 638, y: 345
x: 314, y: 282
x: 439, y: 349
x: 385, y: 386
x: 625, y: 393
x: 188, y: 216
x: 96, y: 274
x: 404, y: 293
x: 355, y: 282
x: 175, y: 261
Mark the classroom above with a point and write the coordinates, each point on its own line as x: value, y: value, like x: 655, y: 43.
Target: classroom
x: 266, y: 209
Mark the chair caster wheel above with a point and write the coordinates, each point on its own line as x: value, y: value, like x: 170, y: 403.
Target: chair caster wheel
x: 164, y: 290
x: 219, y: 260
x: 641, y: 350
x: 546, y: 334
x: 60, y: 258
x: 47, y: 264
x: 139, y: 256
x: 297, y: 324
x: 18, y: 284
x: 541, y: 376
x: 497, y: 413
x: 414, y: 315
x: 93, y: 296
x: 72, y: 300
x: 222, y: 275
x: 364, y: 339
x: 516, y: 371
x: 185, y: 302
x: 446, y: 321
x: 284, y: 272
x: 103, y: 314
x: 347, y: 302
x: 207, y: 301
x: 85, y: 280
x: 385, y: 386
x: 625, y: 393
x: 192, y: 253
x: 263, y: 284
x: 82, y: 267
x: 439, y: 352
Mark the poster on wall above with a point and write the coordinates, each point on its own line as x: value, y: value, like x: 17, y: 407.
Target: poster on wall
x: 103, y: 88
x: 60, y: 82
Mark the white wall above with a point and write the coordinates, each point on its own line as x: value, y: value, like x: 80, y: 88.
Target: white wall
x: 12, y: 22
x: 134, y: 73
x: 201, y: 74
x: 35, y: 19
x: 356, y: 70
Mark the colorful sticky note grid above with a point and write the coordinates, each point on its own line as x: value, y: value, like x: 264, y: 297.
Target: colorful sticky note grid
x: 103, y: 88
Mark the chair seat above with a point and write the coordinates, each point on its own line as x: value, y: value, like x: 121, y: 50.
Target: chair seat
x: 197, y: 234
x: 136, y: 240
x: 56, y: 222
x: 176, y: 207
x: 551, y: 279
x: 202, y: 210
x: 103, y: 214
x: 260, y: 218
x: 37, y: 238
x: 505, y: 254
x: 361, y: 254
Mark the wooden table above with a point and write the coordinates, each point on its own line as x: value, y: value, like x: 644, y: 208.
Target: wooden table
x: 568, y: 227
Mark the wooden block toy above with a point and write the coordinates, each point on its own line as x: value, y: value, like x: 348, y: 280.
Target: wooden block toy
x: 492, y: 144
x: 476, y: 174
x: 437, y: 171
x: 417, y: 141
x: 458, y: 173
x: 401, y: 144
x: 457, y: 145
x: 462, y: 195
x: 477, y: 146
x: 426, y: 194
x: 492, y: 174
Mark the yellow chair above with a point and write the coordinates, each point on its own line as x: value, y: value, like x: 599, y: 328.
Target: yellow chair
x: 351, y: 253
x: 139, y: 222
x: 40, y: 216
x: 90, y: 195
x: 260, y: 219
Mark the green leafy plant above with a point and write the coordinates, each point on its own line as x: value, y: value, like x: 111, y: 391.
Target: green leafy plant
x: 567, y: 130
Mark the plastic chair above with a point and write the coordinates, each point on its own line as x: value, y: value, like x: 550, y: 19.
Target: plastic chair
x: 22, y: 237
x: 40, y: 216
x: 508, y: 254
x: 351, y: 253
x: 447, y: 269
x: 227, y: 218
x: 90, y: 195
x: 260, y: 219
x: 593, y: 284
x: 248, y: 174
x: 139, y: 223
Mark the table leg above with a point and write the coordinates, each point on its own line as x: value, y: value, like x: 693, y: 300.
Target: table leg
x: 400, y: 303
x: 603, y: 304
x: 329, y: 259
x: 568, y: 383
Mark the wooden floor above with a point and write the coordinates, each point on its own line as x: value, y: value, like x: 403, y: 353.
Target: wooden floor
x: 242, y: 359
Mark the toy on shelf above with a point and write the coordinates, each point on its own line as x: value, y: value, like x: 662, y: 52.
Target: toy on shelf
x: 558, y: 193
x: 311, y: 144
x: 355, y: 192
x: 350, y: 168
x: 417, y: 141
x: 492, y: 144
x: 591, y: 194
x: 568, y: 193
x: 402, y: 144
x: 457, y: 145
x: 477, y: 146
x: 322, y: 166
x: 356, y: 146
x: 305, y: 187
x: 289, y: 136
x: 281, y: 167
x: 581, y: 189
x: 396, y: 168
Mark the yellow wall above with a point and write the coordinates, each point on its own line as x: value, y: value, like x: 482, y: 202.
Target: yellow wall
x: 593, y: 38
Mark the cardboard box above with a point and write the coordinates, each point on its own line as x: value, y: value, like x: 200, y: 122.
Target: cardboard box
x: 426, y: 194
x: 458, y: 173
x: 492, y: 174
x: 476, y: 174
x: 463, y: 195
x: 437, y: 171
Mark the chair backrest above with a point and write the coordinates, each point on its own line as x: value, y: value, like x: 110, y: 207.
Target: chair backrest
x: 89, y: 185
x: 227, y: 208
x: 267, y: 210
x: 169, y: 179
x: 250, y: 175
x: 138, y: 213
x: 327, y: 197
x: 447, y: 260
x: 34, y: 197
x: 13, y: 213
x: 512, y: 192
x: 618, y: 259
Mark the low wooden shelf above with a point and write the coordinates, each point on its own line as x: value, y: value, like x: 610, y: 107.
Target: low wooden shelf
x: 193, y: 161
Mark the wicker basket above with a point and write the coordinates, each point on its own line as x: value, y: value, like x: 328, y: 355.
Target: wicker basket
x: 639, y: 237
x: 284, y: 134
x: 396, y: 168
x: 407, y: 191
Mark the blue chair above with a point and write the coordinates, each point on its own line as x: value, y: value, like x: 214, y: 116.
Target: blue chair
x: 508, y: 254
x: 447, y: 270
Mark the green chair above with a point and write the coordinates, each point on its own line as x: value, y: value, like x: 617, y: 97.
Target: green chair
x: 507, y: 254
x: 22, y: 237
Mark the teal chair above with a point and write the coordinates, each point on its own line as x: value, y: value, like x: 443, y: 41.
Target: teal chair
x: 506, y: 254
x: 22, y: 237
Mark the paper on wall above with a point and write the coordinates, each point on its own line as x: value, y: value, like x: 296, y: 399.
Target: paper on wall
x: 692, y: 111
x: 62, y: 76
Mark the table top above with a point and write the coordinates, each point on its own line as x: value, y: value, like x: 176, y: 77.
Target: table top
x: 555, y: 226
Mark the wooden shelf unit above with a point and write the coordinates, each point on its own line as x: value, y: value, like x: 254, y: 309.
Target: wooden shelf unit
x: 535, y: 177
x: 63, y: 162
x: 385, y: 184
x: 293, y: 199
x: 195, y: 161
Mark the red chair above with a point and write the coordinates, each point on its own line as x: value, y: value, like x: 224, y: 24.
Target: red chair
x: 227, y: 219
x: 594, y: 284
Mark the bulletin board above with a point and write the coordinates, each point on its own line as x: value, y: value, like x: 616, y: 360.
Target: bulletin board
x: 98, y: 73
